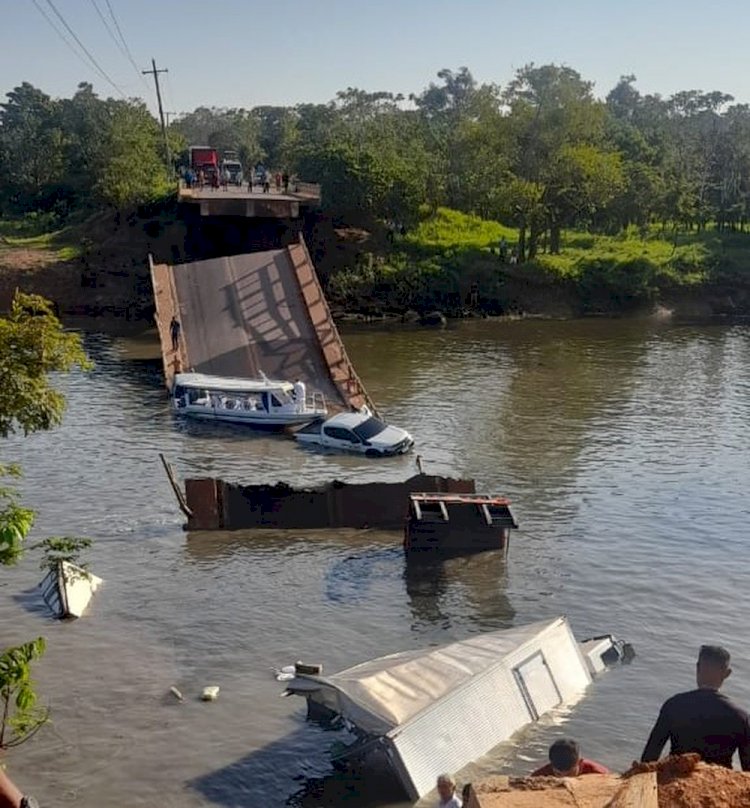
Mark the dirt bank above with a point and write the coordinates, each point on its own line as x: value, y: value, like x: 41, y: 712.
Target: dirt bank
x: 682, y: 781
x: 108, y: 275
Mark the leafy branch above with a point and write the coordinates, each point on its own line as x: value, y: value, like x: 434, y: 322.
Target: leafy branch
x: 21, y: 717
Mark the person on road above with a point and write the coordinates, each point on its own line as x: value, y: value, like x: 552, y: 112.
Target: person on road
x: 174, y: 332
x: 565, y: 761
x: 703, y: 720
x: 446, y: 788
x: 300, y: 393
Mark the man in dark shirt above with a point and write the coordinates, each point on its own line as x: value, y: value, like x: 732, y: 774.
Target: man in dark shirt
x: 703, y: 720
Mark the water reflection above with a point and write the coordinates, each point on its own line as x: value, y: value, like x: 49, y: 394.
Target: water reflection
x: 438, y: 589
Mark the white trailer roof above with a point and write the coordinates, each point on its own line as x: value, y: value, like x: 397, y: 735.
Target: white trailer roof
x: 385, y: 693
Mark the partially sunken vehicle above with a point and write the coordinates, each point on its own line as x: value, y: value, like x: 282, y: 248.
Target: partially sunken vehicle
x: 438, y: 709
x: 357, y: 432
x: 260, y: 402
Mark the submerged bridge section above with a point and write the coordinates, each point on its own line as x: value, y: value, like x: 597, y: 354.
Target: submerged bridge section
x: 262, y: 311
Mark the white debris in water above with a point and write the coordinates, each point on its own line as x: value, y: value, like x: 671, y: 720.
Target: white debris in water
x: 210, y: 693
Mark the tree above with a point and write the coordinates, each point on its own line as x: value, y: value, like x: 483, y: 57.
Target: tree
x: 33, y: 344
x: 130, y: 168
x: 31, y: 145
x: 559, y: 132
x: 20, y: 718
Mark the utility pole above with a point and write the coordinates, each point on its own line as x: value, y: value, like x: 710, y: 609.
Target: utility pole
x: 155, y: 73
x: 167, y: 114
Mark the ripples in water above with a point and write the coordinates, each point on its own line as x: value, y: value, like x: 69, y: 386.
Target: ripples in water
x: 622, y: 444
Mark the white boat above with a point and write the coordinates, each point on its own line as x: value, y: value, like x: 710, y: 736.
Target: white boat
x: 68, y: 588
x: 438, y: 709
x: 257, y: 402
x: 357, y: 432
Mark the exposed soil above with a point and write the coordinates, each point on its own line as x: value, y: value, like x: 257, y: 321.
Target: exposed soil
x: 686, y: 782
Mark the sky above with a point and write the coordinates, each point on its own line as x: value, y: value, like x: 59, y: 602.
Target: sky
x: 244, y: 53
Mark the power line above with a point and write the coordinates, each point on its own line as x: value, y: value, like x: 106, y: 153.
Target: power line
x: 62, y: 36
x: 93, y: 61
x: 122, y: 38
x: 120, y: 46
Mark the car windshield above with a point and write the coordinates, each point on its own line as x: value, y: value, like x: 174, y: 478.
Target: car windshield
x: 369, y: 428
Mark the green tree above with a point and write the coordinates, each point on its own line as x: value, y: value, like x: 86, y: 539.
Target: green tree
x: 32, y: 146
x: 131, y: 169
x: 33, y: 345
x: 20, y: 717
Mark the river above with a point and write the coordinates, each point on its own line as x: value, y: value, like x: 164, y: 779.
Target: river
x: 623, y: 444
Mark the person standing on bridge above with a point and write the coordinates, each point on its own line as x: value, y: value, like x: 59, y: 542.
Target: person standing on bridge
x: 285, y: 180
x: 174, y: 332
x: 300, y: 394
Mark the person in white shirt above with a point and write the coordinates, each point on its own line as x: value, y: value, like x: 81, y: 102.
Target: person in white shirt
x: 446, y: 788
x: 300, y: 393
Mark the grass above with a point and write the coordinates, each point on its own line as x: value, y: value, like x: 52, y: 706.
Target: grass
x: 434, y: 265
x: 452, y: 230
x: 681, y: 258
x: 41, y: 232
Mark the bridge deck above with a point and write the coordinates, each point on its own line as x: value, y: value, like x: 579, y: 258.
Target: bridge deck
x: 261, y: 311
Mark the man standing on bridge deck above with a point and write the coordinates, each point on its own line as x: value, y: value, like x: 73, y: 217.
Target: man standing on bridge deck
x: 174, y: 332
x: 703, y: 720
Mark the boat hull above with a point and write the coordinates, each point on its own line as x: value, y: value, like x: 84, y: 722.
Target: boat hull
x: 257, y: 421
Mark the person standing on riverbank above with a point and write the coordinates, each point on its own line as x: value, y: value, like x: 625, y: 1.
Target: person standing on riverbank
x: 703, y: 720
x: 174, y: 332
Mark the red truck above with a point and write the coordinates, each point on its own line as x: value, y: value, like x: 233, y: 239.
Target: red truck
x: 206, y: 159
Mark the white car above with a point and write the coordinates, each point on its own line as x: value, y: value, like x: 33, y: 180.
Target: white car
x: 357, y: 432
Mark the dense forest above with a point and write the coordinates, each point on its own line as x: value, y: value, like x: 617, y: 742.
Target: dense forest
x: 543, y: 155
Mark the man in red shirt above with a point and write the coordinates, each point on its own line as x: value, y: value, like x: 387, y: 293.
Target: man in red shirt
x: 565, y: 761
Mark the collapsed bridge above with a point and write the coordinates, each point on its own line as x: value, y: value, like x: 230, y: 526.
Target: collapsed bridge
x: 241, y: 315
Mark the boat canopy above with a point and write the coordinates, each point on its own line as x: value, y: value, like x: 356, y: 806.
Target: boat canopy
x: 385, y: 693
x: 230, y: 384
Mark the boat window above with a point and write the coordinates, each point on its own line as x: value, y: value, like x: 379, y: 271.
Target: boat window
x: 337, y: 433
x: 369, y: 428
x: 194, y: 395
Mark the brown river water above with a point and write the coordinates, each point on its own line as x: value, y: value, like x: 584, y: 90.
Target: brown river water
x: 623, y: 444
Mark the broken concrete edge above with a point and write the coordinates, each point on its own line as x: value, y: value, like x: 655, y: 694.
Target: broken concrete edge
x: 332, y: 348
x: 165, y: 302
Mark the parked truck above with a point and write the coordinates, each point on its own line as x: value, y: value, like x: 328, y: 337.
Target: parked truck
x: 233, y: 167
x: 206, y: 159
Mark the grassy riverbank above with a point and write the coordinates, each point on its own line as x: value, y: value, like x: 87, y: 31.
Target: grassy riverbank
x: 97, y: 266
x: 435, y: 265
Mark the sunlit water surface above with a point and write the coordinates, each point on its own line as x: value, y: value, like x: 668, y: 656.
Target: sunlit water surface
x: 624, y: 446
